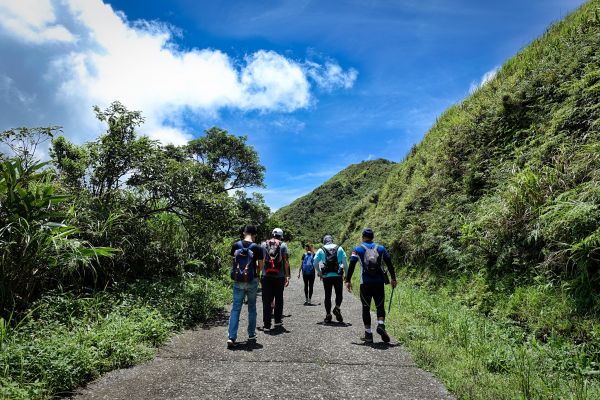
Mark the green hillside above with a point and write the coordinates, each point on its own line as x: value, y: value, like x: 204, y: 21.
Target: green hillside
x: 497, y: 214
x: 326, y: 209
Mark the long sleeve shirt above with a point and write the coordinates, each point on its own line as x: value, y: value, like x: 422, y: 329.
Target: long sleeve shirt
x: 358, y: 255
x: 320, y: 258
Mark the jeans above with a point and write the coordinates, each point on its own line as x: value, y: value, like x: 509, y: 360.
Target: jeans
x: 336, y: 283
x: 272, y: 288
x: 241, y: 290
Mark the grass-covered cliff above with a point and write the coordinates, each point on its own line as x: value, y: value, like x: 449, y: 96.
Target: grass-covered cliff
x: 497, y: 214
x: 326, y: 209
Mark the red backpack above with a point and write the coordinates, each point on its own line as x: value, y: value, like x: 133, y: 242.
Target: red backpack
x: 274, y: 259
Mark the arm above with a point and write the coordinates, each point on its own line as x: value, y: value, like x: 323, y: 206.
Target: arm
x: 353, y: 261
x: 286, y: 266
x: 388, y: 262
x: 342, y: 255
x: 316, y: 260
x: 301, y: 263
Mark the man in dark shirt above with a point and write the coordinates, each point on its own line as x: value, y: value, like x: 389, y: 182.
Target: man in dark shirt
x: 245, y: 282
x: 372, y: 282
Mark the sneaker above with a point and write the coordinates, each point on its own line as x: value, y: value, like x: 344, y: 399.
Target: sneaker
x: 278, y: 324
x: 230, y: 343
x: 328, y: 318
x: 338, y: 314
x: 306, y: 303
x: 267, y: 329
x: 368, y: 337
x: 252, y: 339
x: 309, y: 302
x: 384, y: 335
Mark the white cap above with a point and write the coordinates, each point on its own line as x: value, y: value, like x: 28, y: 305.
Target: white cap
x: 278, y: 232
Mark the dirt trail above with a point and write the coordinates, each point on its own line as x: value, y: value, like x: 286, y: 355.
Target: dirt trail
x: 307, y: 360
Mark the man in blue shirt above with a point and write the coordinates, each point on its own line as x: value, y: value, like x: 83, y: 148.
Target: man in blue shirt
x: 333, y: 259
x: 372, y: 281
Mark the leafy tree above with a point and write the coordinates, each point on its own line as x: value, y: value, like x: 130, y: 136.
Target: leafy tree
x: 24, y: 142
x: 230, y: 161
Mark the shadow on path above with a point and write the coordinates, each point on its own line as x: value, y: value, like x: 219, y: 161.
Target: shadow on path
x: 376, y: 345
x: 246, y: 346
x: 335, y: 324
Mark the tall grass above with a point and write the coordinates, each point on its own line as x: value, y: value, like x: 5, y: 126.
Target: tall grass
x: 67, y: 340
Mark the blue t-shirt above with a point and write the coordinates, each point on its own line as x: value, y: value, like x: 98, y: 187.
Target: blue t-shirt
x: 359, y: 254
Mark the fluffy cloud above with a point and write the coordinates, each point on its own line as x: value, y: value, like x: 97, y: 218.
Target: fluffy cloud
x: 33, y: 21
x: 67, y: 56
x: 331, y: 76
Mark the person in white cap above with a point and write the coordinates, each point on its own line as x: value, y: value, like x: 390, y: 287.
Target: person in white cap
x: 275, y: 277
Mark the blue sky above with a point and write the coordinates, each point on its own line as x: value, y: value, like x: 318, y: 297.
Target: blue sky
x: 316, y: 85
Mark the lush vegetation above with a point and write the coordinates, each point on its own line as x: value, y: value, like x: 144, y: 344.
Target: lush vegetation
x: 495, y: 215
x: 325, y: 210
x: 112, y: 245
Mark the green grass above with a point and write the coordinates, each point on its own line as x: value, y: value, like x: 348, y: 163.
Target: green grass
x: 68, y: 340
x: 493, y: 357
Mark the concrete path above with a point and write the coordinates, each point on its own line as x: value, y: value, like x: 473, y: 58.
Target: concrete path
x: 308, y: 360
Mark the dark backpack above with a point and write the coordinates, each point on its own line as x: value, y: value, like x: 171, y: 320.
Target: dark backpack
x: 307, y: 264
x: 274, y: 259
x: 331, y: 260
x: 372, y: 260
x: 243, y: 268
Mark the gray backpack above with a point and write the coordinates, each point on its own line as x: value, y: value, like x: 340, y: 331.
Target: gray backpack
x: 372, y: 260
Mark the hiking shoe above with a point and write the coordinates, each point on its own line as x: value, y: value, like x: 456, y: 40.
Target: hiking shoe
x: 368, y: 337
x: 384, y: 335
x: 328, y: 318
x: 230, y: 343
x: 338, y: 314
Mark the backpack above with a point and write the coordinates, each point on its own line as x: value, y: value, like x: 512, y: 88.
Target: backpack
x: 331, y: 260
x: 273, y: 261
x: 372, y: 260
x: 243, y: 268
x: 307, y: 264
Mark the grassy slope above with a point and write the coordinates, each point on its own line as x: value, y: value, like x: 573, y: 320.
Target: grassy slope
x: 325, y: 210
x: 495, y: 216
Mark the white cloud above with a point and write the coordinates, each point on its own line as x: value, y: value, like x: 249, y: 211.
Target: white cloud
x: 488, y: 76
x: 32, y: 21
x: 331, y: 76
x: 106, y: 57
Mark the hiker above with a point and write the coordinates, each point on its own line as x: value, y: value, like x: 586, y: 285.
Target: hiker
x: 333, y: 259
x: 372, y: 281
x: 275, y: 277
x: 308, y: 273
x: 247, y: 260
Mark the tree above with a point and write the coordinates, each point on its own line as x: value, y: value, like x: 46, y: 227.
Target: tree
x: 231, y: 162
x: 24, y: 143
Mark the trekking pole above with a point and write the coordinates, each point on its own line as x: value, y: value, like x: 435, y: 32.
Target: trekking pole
x: 391, y: 298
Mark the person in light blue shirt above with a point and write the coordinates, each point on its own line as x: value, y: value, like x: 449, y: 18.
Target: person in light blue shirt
x: 331, y: 265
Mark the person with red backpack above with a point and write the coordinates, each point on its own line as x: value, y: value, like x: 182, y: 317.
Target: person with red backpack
x: 333, y: 259
x: 373, y: 278
x: 275, y: 277
x: 308, y: 273
x: 247, y: 260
